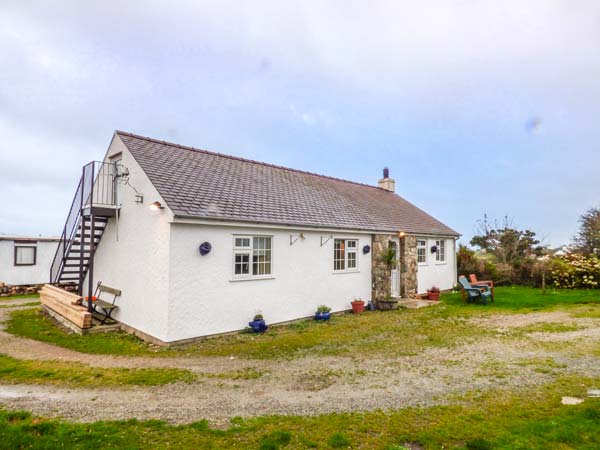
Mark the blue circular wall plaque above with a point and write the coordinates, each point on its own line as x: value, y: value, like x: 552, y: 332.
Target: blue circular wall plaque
x: 205, y: 248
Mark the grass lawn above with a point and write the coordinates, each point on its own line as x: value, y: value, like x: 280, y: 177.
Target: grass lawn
x: 32, y: 323
x: 19, y: 297
x: 533, y: 419
x: 80, y: 375
x: 393, y: 333
x: 20, y: 305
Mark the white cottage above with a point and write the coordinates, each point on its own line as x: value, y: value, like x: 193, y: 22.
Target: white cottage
x: 199, y: 242
x: 25, y: 260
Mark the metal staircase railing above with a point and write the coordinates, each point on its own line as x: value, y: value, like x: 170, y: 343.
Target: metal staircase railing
x: 97, y: 188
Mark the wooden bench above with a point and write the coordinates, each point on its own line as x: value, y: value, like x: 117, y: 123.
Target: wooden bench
x: 102, y: 306
x: 65, y: 304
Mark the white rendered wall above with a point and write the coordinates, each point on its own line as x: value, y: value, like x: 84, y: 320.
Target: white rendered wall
x: 205, y: 300
x: 435, y: 273
x: 138, y: 262
x: 37, y: 274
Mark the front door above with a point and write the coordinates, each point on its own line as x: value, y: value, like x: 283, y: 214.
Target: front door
x: 395, y: 273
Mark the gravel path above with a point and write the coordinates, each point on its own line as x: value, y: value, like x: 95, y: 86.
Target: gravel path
x: 305, y: 386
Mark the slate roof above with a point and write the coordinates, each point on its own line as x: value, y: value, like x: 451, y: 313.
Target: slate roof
x: 201, y: 184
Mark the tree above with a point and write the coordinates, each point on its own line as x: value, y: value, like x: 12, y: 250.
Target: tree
x: 587, y: 240
x: 505, y: 241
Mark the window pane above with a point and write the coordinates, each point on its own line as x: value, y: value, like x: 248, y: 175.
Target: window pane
x: 242, y: 264
x: 351, y: 244
x: 440, y: 254
x: 351, y: 260
x: 25, y: 255
x: 242, y: 242
x: 339, y: 254
x: 261, y: 255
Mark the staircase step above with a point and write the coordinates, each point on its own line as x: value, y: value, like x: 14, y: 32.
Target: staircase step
x: 75, y: 265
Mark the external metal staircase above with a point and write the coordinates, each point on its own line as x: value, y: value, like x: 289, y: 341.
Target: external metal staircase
x: 95, y: 201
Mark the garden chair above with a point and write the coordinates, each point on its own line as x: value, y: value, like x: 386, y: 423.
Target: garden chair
x: 474, y: 293
x: 103, y: 306
x: 477, y: 283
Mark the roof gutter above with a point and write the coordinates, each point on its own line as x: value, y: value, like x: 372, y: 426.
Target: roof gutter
x: 179, y: 218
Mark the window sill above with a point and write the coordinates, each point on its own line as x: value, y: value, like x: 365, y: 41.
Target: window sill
x: 24, y: 265
x: 442, y: 263
x: 269, y: 277
x: 336, y: 272
x: 422, y: 264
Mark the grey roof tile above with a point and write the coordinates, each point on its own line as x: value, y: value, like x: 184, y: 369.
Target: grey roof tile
x: 202, y: 184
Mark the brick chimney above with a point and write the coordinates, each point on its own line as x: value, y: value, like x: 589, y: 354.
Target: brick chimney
x: 386, y: 182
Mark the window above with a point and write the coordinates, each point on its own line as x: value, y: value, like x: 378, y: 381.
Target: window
x: 421, y: 251
x: 25, y: 253
x: 345, y: 254
x: 440, y: 254
x: 251, y: 256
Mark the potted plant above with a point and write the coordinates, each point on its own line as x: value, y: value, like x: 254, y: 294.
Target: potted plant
x: 258, y: 325
x: 323, y: 313
x: 358, y: 305
x: 433, y: 293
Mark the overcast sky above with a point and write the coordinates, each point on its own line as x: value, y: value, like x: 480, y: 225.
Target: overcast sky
x: 475, y: 106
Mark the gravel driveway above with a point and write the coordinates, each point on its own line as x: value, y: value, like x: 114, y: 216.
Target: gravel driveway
x: 309, y: 385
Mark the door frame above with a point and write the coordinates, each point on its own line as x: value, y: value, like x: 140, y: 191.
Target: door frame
x: 395, y: 271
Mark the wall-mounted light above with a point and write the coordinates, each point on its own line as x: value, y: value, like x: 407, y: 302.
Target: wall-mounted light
x: 156, y: 206
x: 401, y: 234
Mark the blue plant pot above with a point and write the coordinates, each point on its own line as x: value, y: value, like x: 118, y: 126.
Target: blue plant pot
x: 322, y: 316
x: 258, y: 326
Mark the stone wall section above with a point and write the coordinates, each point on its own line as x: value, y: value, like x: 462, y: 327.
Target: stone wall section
x: 380, y: 272
x: 408, y: 267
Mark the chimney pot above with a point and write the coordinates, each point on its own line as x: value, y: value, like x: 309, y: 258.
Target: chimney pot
x: 386, y: 182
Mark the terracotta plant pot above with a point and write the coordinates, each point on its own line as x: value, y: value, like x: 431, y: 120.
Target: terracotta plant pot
x: 433, y: 296
x: 358, y: 306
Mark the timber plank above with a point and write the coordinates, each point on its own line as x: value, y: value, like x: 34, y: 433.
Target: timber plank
x: 62, y: 302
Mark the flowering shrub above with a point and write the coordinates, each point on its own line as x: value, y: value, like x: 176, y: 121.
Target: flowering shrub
x: 575, y: 271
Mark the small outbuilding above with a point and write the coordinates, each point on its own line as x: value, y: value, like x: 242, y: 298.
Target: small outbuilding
x: 25, y: 260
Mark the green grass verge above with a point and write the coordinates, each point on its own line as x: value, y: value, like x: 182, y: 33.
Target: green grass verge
x: 34, y: 324
x: 19, y: 297
x: 21, y: 305
x: 386, y: 334
x: 80, y: 375
x: 532, y: 419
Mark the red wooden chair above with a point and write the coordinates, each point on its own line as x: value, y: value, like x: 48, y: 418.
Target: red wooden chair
x: 475, y: 282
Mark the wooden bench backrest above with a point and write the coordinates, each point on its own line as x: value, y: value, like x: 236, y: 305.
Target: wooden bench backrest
x: 109, y: 290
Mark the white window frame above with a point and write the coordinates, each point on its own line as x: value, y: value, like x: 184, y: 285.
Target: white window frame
x: 249, y: 251
x: 424, y: 248
x: 348, y: 250
x: 440, y: 253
